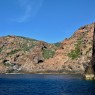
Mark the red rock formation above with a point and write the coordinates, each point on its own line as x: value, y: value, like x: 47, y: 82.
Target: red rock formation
x: 32, y: 56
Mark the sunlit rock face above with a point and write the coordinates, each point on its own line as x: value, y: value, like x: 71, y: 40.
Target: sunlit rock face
x: 25, y: 55
x: 89, y: 73
x: 90, y: 77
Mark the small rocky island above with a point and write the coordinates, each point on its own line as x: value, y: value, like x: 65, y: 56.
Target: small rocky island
x: 71, y: 56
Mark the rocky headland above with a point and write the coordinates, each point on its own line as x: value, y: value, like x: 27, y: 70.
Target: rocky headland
x: 24, y: 55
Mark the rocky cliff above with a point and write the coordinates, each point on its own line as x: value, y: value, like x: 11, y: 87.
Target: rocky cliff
x: 25, y: 55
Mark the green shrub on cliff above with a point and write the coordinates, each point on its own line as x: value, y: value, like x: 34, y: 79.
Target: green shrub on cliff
x: 27, y: 48
x: 58, y: 44
x: 0, y: 49
x: 13, y: 52
x: 76, y: 52
x: 27, y: 38
x: 48, y: 53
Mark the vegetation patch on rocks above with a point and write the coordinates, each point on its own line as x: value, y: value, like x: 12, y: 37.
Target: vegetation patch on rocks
x: 76, y: 52
x: 13, y: 52
x: 48, y: 53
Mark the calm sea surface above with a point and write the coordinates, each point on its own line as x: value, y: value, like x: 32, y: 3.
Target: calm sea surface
x: 45, y: 85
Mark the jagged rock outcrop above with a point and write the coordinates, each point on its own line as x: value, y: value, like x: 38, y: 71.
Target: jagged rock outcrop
x: 31, y: 56
x: 90, y: 70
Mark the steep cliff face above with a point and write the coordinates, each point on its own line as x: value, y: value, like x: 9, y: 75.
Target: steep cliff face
x: 20, y: 54
x: 89, y: 73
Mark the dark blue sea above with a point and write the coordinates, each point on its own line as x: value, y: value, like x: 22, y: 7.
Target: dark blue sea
x: 27, y: 84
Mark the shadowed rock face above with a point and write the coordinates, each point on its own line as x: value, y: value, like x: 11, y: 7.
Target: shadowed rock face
x: 90, y: 70
x: 93, y: 52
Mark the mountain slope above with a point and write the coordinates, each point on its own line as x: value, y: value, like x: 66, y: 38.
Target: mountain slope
x: 25, y: 55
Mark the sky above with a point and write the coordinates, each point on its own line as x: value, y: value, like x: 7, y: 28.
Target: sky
x: 47, y: 20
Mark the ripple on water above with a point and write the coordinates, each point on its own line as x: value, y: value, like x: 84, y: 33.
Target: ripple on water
x: 24, y: 84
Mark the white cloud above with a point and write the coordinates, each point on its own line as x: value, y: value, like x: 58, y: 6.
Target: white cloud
x: 30, y: 8
x: 26, y: 15
x: 23, y: 2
